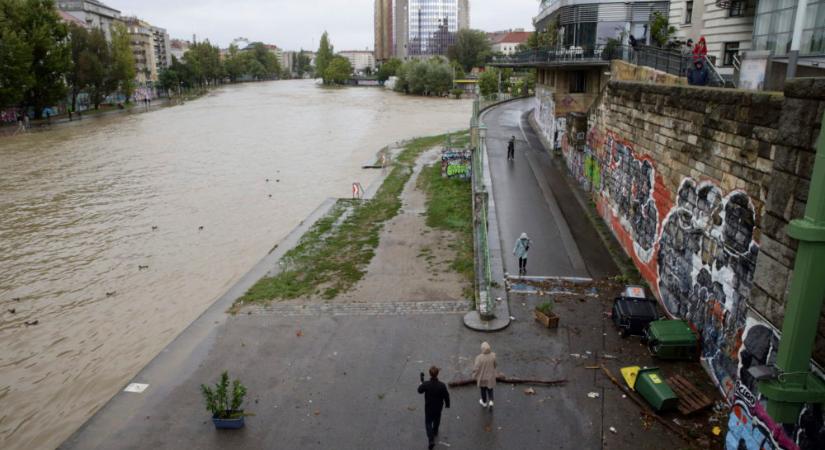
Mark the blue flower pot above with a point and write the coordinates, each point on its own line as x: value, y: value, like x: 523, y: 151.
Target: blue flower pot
x: 228, y: 424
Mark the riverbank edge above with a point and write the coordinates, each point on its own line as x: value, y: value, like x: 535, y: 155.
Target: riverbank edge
x: 182, y: 356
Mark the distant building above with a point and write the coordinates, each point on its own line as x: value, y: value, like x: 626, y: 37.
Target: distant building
x: 359, y: 59
x: 423, y: 28
x: 240, y: 42
x: 93, y: 13
x: 383, y: 25
x: 163, y: 50
x: 178, y: 48
x: 288, y: 61
x: 142, y: 39
x: 69, y: 19
x: 508, y: 43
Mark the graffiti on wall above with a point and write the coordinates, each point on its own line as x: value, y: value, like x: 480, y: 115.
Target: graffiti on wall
x: 456, y: 163
x: 749, y: 425
x: 545, y: 111
x: 706, y: 261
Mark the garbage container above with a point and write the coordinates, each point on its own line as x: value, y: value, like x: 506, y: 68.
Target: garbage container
x: 651, y: 385
x: 671, y: 339
x: 632, y: 314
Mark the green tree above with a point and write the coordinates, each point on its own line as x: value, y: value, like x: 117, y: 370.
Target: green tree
x: 660, y: 31
x: 15, y: 55
x: 269, y: 62
x: 324, y: 56
x: 39, y: 46
x: 96, y: 70
x: 471, y: 49
x: 122, y: 69
x: 388, y: 69
x: 302, y: 64
x: 439, y: 78
x: 233, y: 65
x: 78, y: 38
x: 203, y: 64
x: 546, y: 39
x: 338, y: 70
x: 488, y: 82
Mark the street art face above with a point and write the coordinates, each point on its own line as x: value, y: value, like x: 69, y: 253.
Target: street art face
x: 706, y: 262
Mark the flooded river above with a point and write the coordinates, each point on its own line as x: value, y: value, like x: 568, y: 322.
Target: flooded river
x: 85, y: 206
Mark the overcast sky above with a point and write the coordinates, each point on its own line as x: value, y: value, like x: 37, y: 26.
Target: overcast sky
x: 296, y: 24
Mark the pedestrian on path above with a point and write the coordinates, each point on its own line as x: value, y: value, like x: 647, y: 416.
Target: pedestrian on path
x: 484, y: 372
x: 511, y: 149
x: 436, y: 396
x: 520, y: 251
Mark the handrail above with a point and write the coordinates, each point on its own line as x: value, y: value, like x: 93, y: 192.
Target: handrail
x: 719, y: 77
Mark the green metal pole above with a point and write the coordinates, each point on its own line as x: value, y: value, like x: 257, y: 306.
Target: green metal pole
x: 796, y: 384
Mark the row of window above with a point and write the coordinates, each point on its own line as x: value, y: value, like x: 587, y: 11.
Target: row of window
x: 736, y: 9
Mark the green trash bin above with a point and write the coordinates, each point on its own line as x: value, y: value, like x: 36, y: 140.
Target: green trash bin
x: 651, y: 385
x: 671, y: 339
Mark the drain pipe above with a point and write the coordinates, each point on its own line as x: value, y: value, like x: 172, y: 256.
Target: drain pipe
x: 794, y: 384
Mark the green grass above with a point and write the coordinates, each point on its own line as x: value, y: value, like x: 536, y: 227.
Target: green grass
x: 449, y: 207
x: 331, y: 259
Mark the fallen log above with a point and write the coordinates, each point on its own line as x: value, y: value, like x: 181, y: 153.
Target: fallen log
x: 509, y: 380
x: 646, y: 409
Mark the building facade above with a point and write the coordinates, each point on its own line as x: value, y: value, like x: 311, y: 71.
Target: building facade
x: 163, y: 50
x: 142, y: 39
x: 508, y: 42
x: 93, y: 13
x: 424, y: 28
x: 383, y: 24
x: 178, y: 48
x: 361, y: 60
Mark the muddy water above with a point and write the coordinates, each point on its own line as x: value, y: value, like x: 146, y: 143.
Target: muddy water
x: 78, y: 204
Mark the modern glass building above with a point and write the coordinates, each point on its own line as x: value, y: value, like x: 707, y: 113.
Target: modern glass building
x: 774, y: 26
x: 429, y: 26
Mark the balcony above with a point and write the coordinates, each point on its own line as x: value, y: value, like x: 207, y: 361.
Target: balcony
x: 600, y: 55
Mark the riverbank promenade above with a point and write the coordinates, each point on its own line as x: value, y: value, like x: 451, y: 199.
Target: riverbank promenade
x: 344, y: 375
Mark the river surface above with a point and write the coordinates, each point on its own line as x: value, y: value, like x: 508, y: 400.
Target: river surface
x: 78, y: 204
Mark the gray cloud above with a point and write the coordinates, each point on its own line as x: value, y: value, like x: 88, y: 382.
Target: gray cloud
x: 295, y: 24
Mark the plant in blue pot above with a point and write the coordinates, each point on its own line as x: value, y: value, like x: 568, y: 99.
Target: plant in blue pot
x: 225, y: 402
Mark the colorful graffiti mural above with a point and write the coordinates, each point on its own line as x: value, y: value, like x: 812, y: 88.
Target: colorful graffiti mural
x: 697, y: 247
x: 749, y: 425
x: 456, y: 163
x: 545, y: 113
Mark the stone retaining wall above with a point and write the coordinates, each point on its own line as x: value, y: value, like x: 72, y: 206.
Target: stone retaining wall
x: 698, y: 185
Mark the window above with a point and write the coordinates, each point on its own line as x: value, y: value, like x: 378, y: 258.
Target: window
x: 737, y: 9
x: 731, y: 50
x: 689, y: 13
x: 578, y: 82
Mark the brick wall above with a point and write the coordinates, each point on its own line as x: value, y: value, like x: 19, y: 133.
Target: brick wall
x: 698, y: 185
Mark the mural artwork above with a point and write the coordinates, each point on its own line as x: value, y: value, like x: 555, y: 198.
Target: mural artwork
x: 706, y: 261
x: 545, y: 111
x: 749, y: 425
x: 456, y: 163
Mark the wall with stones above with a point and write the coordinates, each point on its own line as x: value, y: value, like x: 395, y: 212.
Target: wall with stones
x: 698, y: 186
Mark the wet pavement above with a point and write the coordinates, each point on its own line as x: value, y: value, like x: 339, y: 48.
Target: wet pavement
x: 344, y: 377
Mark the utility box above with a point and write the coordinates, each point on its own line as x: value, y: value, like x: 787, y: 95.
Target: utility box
x: 671, y: 339
x: 651, y: 385
x: 632, y: 312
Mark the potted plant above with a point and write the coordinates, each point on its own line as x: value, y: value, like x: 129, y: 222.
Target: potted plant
x: 225, y: 405
x: 544, y: 314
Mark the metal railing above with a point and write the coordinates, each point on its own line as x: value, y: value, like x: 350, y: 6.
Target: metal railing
x: 481, y: 247
x: 563, y: 56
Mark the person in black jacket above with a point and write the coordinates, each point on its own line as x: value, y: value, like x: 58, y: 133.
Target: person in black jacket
x: 436, y: 396
x: 511, y: 149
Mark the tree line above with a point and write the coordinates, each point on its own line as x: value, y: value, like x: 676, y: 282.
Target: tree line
x: 44, y: 59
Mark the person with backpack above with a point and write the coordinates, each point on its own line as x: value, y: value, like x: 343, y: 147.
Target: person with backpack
x: 520, y: 251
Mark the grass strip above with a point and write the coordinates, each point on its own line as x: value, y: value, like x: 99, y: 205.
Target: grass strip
x: 330, y: 258
x: 450, y: 208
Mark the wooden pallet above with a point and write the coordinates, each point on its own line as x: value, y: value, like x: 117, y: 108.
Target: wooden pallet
x: 691, y: 399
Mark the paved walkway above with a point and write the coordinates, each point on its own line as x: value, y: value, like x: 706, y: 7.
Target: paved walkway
x: 348, y: 380
x: 532, y: 195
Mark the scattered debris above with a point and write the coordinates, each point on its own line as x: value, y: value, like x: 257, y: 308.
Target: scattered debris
x: 31, y: 322
x: 12, y: 310
x: 299, y: 333
x: 593, y: 395
x: 142, y: 267
x: 691, y: 399
x: 381, y: 396
x: 512, y: 318
x: 109, y: 294
x: 529, y: 391
x: 716, y: 430
x: 488, y: 428
x: 606, y: 356
x: 444, y: 443
x: 411, y: 408
x: 613, y: 430
x: 592, y: 367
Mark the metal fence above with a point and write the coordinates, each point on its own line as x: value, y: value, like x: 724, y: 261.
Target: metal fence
x: 481, y: 247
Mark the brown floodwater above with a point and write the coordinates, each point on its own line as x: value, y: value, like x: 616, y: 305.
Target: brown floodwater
x: 78, y: 204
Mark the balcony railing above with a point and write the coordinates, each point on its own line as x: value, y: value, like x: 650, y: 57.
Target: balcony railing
x: 600, y: 54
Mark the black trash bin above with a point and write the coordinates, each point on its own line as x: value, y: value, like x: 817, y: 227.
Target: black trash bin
x: 632, y: 311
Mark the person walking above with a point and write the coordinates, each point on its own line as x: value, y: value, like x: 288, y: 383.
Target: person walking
x: 511, y: 149
x: 436, y: 397
x: 484, y: 372
x: 520, y: 251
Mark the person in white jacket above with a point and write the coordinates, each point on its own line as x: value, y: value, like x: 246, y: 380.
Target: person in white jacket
x: 520, y: 251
